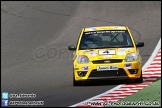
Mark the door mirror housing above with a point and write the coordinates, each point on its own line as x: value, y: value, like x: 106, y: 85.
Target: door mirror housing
x: 71, y: 47
x: 140, y: 44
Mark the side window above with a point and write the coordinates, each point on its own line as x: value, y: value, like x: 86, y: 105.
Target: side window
x: 127, y: 39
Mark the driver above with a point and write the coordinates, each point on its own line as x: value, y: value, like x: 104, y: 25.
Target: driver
x: 91, y: 41
x: 86, y: 40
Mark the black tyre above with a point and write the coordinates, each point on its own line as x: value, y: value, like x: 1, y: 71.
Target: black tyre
x: 76, y: 83
x: 139, y: 80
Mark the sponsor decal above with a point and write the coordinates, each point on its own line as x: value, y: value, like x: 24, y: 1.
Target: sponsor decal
x: 123, y: 49
x: 85, y: 68
x: 87, y: 51
x: 121, y: 53
x: 100, y: 68
x: 92, y: 53
x: 128, y: 66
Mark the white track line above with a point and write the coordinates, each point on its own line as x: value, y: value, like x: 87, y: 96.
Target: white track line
x: 153, y: 55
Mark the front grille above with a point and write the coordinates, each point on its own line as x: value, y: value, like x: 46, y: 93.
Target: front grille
x: 108, y: 73
x: 107, y: 61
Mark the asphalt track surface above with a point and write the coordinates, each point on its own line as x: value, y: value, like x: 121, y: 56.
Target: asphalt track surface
x: 35, y: 36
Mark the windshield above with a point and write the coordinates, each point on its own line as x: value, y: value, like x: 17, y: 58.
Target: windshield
x: 105, y: 39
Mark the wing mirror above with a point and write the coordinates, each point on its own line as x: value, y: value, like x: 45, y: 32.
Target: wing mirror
x: 140, y: 44
x: 71, y: 47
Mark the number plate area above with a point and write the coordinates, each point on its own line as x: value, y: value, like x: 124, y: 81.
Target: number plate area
x: 106, y: 52
x: 101, y: 68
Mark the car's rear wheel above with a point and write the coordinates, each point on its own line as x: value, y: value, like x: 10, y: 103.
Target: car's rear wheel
x: 139, y: 80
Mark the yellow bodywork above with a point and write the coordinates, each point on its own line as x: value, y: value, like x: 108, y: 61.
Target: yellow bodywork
x: 93, y: 54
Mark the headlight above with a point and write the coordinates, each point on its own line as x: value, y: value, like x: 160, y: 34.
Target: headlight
x: 83, y: 59
x: 131, y: 57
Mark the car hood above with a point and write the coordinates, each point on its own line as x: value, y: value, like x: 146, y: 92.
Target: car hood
x: 108, y: 53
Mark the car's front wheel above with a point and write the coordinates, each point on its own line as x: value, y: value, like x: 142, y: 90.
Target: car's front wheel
x: 76, y: 83
x: 139, y: 80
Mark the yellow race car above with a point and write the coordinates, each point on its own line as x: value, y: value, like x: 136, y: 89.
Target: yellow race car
x: 106, y: 52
